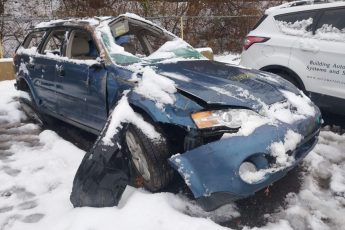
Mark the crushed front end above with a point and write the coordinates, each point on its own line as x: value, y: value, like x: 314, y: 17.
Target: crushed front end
x: 213, y: 170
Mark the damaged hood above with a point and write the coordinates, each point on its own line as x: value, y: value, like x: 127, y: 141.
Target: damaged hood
x: 216, y: 83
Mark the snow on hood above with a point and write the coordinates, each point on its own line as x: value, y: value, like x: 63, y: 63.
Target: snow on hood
x: 157, y: 88
x: 215, y: 83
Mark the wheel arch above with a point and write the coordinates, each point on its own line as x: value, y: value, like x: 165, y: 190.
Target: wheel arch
x: 276, y: 69
x: 24, y: 85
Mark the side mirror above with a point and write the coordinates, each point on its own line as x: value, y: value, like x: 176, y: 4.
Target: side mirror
x: 207, y: 52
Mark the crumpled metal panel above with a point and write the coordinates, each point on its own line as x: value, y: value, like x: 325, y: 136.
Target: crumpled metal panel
x: 102, y: 175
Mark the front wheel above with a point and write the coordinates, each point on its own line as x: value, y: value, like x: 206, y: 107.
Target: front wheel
x: 149, y: 158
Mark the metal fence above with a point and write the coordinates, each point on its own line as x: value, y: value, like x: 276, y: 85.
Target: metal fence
x: 221, y: 33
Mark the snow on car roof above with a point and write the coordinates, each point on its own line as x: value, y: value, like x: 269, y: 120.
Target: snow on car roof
x: 302, y: 5
x: 92, y: 21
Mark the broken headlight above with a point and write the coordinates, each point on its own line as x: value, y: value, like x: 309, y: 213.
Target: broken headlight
x: 231, y: 118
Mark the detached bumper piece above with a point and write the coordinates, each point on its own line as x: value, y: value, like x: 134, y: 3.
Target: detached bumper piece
x: 102, y: 175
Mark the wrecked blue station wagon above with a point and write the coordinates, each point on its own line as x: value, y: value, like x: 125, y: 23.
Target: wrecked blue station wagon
x: 162, y: 109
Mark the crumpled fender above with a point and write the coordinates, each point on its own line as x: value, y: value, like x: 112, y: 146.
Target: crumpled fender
x: 214, y: 167
x: 102, y: 175
x: 177, y: 114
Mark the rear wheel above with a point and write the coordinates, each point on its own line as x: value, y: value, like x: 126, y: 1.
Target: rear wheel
x: 149, y: 159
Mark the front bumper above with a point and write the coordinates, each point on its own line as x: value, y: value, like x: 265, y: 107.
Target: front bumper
x: 211, y: 171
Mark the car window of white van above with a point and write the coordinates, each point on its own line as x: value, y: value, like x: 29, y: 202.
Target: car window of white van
x: 54, y: 43
x: 331, y: 25
x: 299, y: 24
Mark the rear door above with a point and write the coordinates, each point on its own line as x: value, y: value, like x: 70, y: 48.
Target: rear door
x: 45, y: 67
x: 81, y: 82
x: 25, y: 62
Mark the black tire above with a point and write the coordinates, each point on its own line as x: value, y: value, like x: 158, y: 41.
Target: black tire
x: 156, y: 153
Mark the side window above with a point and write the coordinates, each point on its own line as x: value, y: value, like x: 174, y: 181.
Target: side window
x: 54, y: 43
x: 34, y: 39
x: 296, y: 23
x: 332, y: 19
x: 81, y: 46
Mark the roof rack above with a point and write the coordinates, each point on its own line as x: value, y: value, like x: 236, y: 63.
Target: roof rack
x: 301, y: 3
x: 308, y: 2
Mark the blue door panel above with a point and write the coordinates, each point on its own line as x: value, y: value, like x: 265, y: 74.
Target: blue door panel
x: 80, y: 95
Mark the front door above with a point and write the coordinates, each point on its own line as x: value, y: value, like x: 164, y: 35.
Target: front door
x: 81, y: 82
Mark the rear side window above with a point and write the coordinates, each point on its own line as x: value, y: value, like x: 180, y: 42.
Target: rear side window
x: 33, y: 40
x: 54, y: 43
x: 334, y: 18
x: 299, y: 24
x: 292, y: 18
x: 331, y: 25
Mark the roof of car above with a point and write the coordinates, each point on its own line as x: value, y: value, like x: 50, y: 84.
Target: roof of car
x: 303, y: 5
x: 91, y: 21
x: 71, y: 21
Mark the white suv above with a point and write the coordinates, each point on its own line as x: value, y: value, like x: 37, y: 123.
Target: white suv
x: 305, y: 44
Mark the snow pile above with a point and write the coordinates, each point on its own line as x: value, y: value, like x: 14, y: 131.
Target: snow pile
x: 39, y: 170
x: 156, y: 88
x: 298, y: 28
x: 123, y: 113
x: 328, y: 32
x: 321, y: 201
x: 9, y: 106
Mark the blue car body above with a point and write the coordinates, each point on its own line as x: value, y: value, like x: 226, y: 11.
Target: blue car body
x: 84, y: 94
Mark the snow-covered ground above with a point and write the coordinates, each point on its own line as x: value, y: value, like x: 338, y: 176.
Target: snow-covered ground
x: 37, y: 169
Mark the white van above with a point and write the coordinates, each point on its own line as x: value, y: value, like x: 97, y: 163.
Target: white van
x: 303, y: 42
